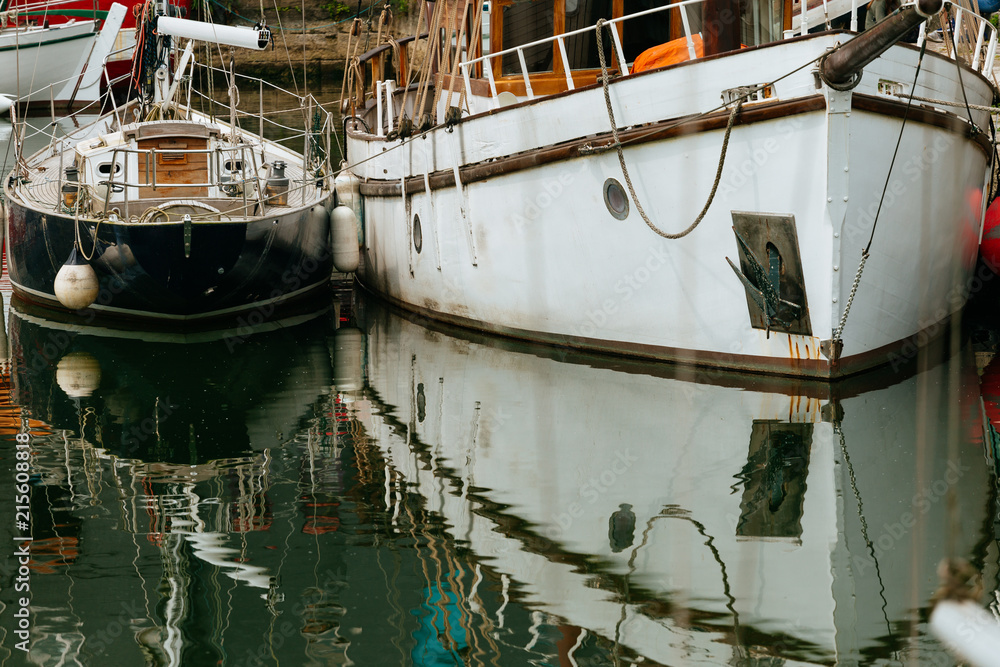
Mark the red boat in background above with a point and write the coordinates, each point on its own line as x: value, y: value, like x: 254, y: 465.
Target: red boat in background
x: 119, y: 65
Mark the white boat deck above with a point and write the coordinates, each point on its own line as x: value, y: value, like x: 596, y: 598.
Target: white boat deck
x: 45, y: 180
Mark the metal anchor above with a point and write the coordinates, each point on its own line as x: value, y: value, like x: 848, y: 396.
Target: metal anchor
x: 763, y: 285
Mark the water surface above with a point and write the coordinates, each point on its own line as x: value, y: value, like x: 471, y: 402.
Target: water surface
x: 355, y: 487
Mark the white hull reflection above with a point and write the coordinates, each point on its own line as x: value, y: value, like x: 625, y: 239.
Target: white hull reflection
x: 689, y: 519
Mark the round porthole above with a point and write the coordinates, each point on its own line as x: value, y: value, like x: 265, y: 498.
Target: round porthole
x: 418, y: 236
x: 615, y: 199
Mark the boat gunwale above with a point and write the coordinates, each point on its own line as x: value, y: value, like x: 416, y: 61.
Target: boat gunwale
x: 667, y: 129
x: 124, y: 315
x: 37, y: 44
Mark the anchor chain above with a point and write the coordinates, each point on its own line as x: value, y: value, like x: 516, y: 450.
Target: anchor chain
x: 850, y: 298
x: 621, y: 155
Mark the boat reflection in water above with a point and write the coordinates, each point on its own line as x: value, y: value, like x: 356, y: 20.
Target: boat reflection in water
x: 214, y: 502
x: 684, y: 517
x: 325, y: 493
x: 152, y: 462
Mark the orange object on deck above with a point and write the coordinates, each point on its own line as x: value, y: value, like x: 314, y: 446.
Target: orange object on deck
x: 673, y: 52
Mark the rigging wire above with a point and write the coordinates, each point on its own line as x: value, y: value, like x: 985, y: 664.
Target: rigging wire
x: 946, y: 25
x: 288, y: 55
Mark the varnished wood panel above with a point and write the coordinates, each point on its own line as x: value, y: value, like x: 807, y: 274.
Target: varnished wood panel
x: 175, y: 165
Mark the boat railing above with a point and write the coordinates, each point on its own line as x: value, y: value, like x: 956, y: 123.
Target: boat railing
x: 232, y: 187
x: 318, y: 123
x: 560, y: 42
x: 980, y: 51
x: 977, y: 52
x: 108, y: 81
x: 318, y: 142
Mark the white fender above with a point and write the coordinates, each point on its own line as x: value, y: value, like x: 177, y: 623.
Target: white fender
x: 348, y: 189
x: 76, y: 284
x: 346, y: 256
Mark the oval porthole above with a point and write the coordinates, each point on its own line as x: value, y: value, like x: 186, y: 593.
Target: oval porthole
x: 418, y: 236
x: 615, y: 199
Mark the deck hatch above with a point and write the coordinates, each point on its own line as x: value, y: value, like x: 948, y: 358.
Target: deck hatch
x: 178, y: 164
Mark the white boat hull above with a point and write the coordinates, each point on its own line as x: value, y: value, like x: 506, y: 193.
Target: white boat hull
x: 36, y: 60
x: 529, y: 248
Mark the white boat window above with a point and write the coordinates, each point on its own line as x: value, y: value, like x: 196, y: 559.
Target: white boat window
x: 649, y: 31
x: 104, y: 169
x: 525, y: 21
x: 582, y: 49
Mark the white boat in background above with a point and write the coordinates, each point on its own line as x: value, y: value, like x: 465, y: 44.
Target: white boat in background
x: 519, y: 192
x: 61, y: 63
x: 118, y: 64
x: 681, y: 515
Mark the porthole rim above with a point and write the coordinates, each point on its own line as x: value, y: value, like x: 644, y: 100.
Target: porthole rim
x: 608, y: 184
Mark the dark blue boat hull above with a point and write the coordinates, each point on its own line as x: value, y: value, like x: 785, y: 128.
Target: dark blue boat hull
x: 158, y: 272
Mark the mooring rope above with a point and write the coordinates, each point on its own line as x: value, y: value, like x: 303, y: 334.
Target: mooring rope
x: 81, y: 193
x: 350, y: 58
x: 407, y: 75
x: 946, y: 103
x: 621, y: 154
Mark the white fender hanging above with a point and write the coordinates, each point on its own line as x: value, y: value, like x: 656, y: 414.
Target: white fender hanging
x: 346, y: 256
x: 348, y: 189
x: 76, y: 284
